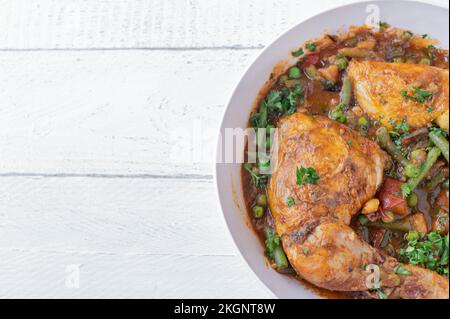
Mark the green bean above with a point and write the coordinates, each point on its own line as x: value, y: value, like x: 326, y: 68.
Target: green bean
x: 441, y: 142
x: 338, y: 113
x: 404, y: 225
x: 280, y: 257
x: 386, y: 143
x: 431, y: 159
x: 436, y: 180
x: 346, y: 91
x: 411, y: 170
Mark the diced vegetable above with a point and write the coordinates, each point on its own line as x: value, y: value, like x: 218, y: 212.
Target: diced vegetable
x: 391, y: 199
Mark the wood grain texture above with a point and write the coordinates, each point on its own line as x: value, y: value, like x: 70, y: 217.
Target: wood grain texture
x: 86, y: 24
x: 40, y: 274
x: 131, y: 237
x: 114, y: 112
x: 97, y: 98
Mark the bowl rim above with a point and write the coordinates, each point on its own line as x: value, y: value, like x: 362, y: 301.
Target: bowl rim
x: 250, y: 66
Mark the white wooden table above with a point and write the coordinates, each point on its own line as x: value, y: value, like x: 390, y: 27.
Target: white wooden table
x: 93, y: 94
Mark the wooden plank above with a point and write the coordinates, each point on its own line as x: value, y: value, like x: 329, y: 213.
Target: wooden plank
x: 132, y: 237
x: 112, y: 215
x: 87, y: 24
x: 114, y: 112
x: 36, y: 274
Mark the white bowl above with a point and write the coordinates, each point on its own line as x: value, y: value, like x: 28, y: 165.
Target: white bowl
x: 415, y: 16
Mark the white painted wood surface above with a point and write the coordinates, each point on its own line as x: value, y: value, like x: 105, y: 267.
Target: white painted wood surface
x: 93, y: 98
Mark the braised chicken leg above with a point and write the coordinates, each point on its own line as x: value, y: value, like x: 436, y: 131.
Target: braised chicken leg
x: 392, y: 92
x: 315, y: 231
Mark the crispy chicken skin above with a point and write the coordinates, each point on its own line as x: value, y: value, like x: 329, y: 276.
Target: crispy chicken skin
x: 378, y: 87
x: 315, y: 231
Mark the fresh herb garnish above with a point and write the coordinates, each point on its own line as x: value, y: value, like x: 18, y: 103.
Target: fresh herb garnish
x: 419, y: 95
x: 438, y: 131
x: 290, y: 201
x: 430, y: 251
x: 400, y: 270
x: 256, y: 178
x: 306, y: 175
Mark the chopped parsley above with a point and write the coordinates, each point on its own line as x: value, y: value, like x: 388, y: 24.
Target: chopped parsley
x: 311, y: 47
x: 419, y: 95
x: 400, y: 270
x: 290, y: 201
x: 400, y: 130
x: 438, y: 131
x: 430, y: 251
x: 306, y: 175
x: 256, y: 179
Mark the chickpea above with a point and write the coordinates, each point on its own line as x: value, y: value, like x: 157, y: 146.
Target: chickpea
x: 358, y: 111
x: 371, y: 206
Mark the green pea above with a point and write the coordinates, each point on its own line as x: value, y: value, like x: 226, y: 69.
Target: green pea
x: 411, y: 170
x: 425, y: 61
x: 258, y: 211
x: 261, y: 200
x: 412, y: 200
x: 294, y: 73
x: 398, y: 60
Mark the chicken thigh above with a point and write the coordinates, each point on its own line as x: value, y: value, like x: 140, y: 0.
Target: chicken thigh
x: 391, y: 92
x: 315, y: 231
